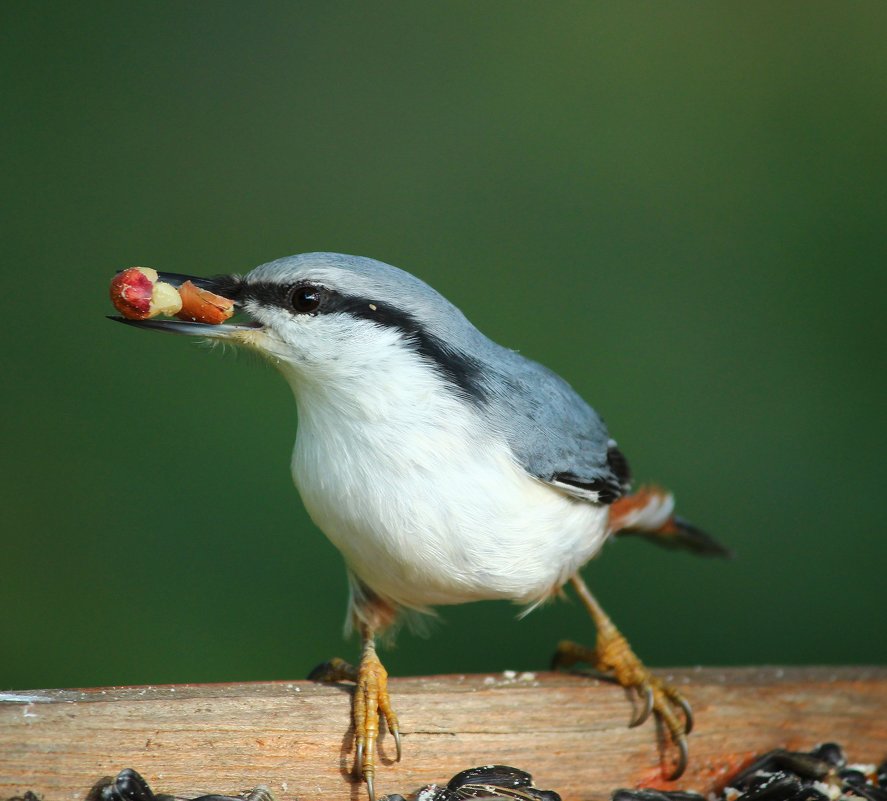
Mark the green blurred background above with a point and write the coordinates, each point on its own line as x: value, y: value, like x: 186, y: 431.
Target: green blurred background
x: 680, y: 207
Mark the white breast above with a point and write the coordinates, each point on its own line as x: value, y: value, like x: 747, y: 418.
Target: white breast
x: 425, y: 506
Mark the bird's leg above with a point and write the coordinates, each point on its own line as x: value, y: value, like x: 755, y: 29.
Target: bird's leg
x: 612, y: 654
x: 370, y: 699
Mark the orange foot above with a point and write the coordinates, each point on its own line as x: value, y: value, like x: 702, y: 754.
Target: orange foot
x: 612, y: 654
x: 370, y: 699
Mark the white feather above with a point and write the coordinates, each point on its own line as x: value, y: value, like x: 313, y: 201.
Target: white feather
x: 652, y: 515
x: 426, y: 507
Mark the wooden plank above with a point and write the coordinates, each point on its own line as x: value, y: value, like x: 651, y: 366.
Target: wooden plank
x: 567, y: 730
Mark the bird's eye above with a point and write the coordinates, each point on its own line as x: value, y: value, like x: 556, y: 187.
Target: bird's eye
x: 306, y: 299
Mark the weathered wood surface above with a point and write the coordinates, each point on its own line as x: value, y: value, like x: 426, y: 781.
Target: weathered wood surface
x: 569, y: 731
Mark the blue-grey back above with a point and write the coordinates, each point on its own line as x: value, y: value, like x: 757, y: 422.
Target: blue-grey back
x: 554, y: 434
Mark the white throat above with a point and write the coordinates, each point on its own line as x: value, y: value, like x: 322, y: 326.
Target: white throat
x: 427, y: 505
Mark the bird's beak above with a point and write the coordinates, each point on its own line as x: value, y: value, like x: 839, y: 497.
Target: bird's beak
x: 226, y: 286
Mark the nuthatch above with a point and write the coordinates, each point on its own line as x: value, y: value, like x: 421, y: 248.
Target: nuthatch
x: 444, y: 467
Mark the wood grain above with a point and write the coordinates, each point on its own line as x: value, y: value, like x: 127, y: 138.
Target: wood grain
x: 569, y: 731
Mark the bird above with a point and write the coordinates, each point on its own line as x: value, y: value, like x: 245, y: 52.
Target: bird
x: 444, y: 467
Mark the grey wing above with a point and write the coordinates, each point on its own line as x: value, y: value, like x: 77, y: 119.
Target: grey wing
x: 557, y: 437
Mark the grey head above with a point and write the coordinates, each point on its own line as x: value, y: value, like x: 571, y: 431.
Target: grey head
x: 552, y: 432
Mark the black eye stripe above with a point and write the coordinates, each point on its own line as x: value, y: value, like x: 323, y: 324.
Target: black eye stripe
x: 464, y: 372
x: 459, y: 369
x: 267, y: 293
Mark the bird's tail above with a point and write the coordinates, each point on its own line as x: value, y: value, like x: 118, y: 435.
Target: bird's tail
x: 649, y: 513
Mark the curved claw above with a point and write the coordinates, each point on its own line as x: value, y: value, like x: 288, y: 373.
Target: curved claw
x: 688, y: 713
x: 612, y: 654
x: 358, y: 760
x: 395, y: 732
x: 371, y: 788
x: 683, y: 758
x: 647, y: 691
x: 335, y: 669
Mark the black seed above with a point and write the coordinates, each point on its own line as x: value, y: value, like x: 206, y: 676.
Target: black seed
x: 655, y: 795
x: 496, y: 775
x: 810, y: 794
x: 211, y: 797
x: 852, y: 776
x: 831, y: 753
x: 439, y: 794
x: 636, y: 795
x: 764, y: 763
x: 868, y: 791
x: 544, y: 795
x: 128, y: 786
x: 806, y: 766
x: 778, y: 787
